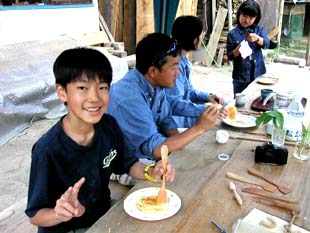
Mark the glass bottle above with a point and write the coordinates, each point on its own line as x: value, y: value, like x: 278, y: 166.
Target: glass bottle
x: 293, y: 124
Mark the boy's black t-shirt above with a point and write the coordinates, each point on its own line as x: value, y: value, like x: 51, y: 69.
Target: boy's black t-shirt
x: 58, y: 163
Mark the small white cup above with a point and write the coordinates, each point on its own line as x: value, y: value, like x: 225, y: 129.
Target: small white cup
x: 240, y: 100
x: 222, y: 136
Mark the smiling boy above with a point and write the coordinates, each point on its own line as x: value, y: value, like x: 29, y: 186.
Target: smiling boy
x: 72, y: 163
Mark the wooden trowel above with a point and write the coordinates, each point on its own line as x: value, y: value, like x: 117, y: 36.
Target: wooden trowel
x: 283, y: 189
x: 261, y: 193
x: 265, y: 186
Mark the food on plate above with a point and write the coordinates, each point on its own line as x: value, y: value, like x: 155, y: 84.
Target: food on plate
x: 231, y: 112
x: 151, y: 205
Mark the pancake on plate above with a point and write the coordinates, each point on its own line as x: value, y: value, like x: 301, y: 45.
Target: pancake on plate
x: 151, y: 205
x: 232, y: 112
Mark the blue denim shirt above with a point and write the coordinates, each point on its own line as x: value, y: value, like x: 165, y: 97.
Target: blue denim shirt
x: 142, y: 112
x: 242, y: 68
x: 186, y: 102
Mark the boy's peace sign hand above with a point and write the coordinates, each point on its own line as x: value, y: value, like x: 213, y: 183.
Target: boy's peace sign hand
x: 68, y: 205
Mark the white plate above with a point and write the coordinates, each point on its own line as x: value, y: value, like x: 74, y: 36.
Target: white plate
x: 266, y: 81
x: 241, y: 121
x: 130, y: 206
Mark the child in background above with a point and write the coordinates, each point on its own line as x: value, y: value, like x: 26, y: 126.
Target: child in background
x: 72, y: 163
x: 245, y: 70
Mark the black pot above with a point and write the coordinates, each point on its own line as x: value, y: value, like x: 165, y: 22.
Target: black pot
x: 273, y: 44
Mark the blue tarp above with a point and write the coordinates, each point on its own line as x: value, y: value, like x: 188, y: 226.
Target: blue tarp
x: 164, y: 14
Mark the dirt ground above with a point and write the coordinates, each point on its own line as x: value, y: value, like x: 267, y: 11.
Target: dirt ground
x: 16, y: 154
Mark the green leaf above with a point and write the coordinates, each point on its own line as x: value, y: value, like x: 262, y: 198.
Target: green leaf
x: 274, y: 115
x: 278, y: 119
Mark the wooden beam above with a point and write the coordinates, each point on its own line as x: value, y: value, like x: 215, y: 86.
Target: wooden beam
x: 273, y: 33
x: 229, y: 6
x: 145, y: 18
x: 105, y: 28
x: 220, y: 57
x: 307, y: 51
x: 94, y: 38
x: 213, y: 5
x: 118, y: 20
x: 130, y: 28
x: 215, y: 36
x: 280, y: 16
x: 187, y: 7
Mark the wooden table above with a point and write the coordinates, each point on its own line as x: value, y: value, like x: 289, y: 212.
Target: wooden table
x: 201, y: 184
x: 203, y: 188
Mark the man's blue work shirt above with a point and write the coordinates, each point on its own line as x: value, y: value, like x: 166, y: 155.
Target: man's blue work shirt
x: 142, y: 112
x: 187, y: 103
x: 242, y: 68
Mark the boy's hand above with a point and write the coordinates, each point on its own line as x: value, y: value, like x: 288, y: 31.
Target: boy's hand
x: 208, y: 118
x: 218, y: 100
x: 68, y: 205
x: 215, y: 99
x: 222, y: 113
x: 158, y: 171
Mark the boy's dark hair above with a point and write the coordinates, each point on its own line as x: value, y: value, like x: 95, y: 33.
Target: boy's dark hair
x: 72, y: 64
x: 250, y: 8
x: 153, y: 50
x: 185, y: 30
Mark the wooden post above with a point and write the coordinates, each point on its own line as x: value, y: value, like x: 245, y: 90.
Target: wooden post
x: 307, y: 52
x: 215, y: 36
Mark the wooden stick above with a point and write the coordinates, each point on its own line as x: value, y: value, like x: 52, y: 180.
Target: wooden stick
x: 261, y: 193
x: 249, y: 112
x: 257, y: 139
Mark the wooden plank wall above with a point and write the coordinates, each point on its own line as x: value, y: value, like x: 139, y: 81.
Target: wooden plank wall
x: 187, y: 7
x: 145, y: 18
x: 131, y: 20
x: 145, y: 15
x: 118, y: 19
x: 129, y: 33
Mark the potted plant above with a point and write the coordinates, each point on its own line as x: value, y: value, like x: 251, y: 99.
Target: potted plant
x: 278, y: 132
x: 302, y: 148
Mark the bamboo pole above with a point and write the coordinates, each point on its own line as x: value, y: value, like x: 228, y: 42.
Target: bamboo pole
x: 229, y: 14
x: 213, y: 12
x: 307, y: 51
x: 280, y: 17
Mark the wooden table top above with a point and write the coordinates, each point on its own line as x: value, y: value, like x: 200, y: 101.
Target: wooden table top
x: 202, y: 186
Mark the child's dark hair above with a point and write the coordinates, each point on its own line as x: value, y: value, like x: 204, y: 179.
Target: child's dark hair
x: 185, y: 30
x: 250, y: 8
x: 72, y: 64
x: 153, y: 50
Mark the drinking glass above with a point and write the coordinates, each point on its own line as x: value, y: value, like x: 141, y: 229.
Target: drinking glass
x: 301, y: 150
x: 278, y: 136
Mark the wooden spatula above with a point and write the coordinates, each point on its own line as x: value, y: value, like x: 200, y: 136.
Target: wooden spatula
x: 233, y: 188
x: 265, y: 186
x: 261, y: 193
x: 162, y: 194
x: 281, y: 188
